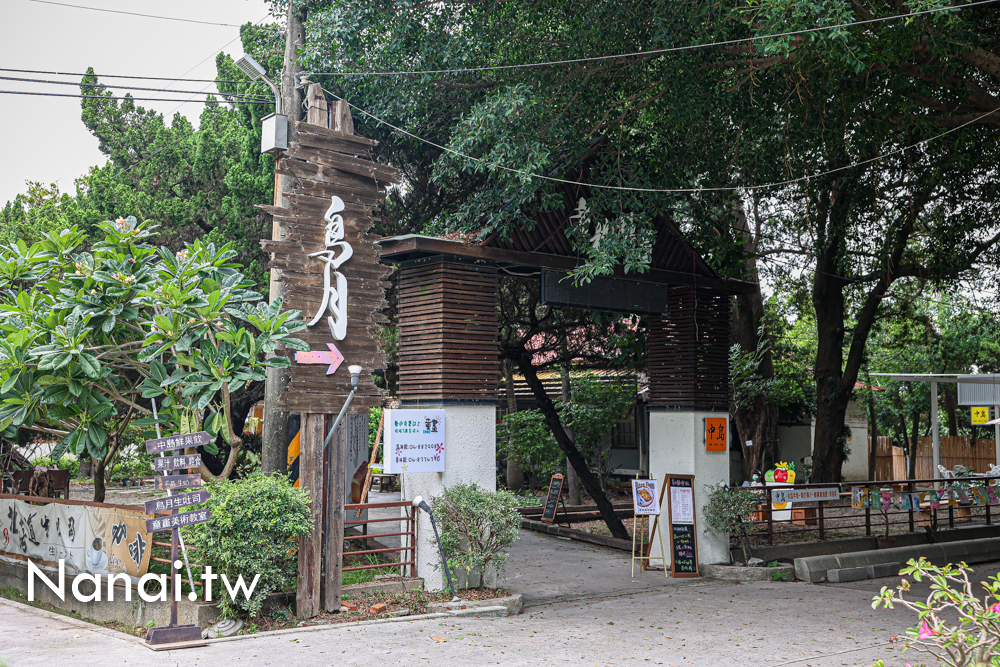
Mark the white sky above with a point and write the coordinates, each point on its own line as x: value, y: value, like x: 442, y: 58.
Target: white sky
x: 44, y: 138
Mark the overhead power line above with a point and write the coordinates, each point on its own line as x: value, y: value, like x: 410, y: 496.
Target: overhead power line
x: 137, y: 99
x: 734, y: 188
x: 102, y: 85
x: 146, y: 16
x: 674, y: 49
x: 123, y: 76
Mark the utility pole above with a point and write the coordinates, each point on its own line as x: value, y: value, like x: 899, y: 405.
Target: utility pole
x: 275, y: 428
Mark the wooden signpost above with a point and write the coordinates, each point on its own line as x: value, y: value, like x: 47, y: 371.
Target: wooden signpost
x: 553, y: 499
x: 174, y: 635
x: 646, y: 502
x: 682, y: 529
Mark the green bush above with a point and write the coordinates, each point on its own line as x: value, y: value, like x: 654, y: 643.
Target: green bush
x: 65, y: 463
x: 255, y: 528
x: 730, y: 510
x: 476, y: 527
x: 525, y: 437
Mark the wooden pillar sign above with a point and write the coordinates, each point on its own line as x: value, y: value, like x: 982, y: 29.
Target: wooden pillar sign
x: 176, y: 485
x: 682, y: 529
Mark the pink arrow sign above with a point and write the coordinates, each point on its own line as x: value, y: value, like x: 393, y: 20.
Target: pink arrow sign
x: 333, y: 357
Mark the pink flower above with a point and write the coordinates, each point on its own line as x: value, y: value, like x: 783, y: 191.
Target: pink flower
x: 926, y: 631
x: 995, y: 608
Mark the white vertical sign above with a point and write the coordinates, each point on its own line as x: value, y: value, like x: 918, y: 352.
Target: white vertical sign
x: 414, y: 441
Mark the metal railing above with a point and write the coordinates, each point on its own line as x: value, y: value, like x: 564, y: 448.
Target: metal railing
x: 822, y: 519
x: 406, y: 550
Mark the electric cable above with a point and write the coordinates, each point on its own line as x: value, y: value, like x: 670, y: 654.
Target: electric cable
x: 103, y: 85
x: 734, y: 188
x: 141, y: 99
x: 674, y: 49
x: 148, y: 16
x: 124, y: 76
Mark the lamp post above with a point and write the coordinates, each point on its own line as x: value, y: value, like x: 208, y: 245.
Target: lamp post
x: 419, y: 502
x: 274, y: 130
x: 355, y: 372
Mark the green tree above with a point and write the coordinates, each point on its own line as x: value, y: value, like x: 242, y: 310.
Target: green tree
x: 593, y: 411
x: 525, y: 437
x: 90, y: 335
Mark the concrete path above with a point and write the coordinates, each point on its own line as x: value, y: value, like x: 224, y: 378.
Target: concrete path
x: 696, y: 623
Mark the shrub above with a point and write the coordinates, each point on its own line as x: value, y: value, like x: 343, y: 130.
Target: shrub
x: 974, y: 640
x: 730, y: 510
x: 525, y: 437
x: 476, y: 527
x: 255, y: 527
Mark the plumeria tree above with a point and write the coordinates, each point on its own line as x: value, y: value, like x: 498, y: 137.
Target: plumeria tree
x: 91, y: 337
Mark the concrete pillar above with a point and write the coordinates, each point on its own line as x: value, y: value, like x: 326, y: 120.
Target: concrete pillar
x: 470, y: 458
x: 677, y: 446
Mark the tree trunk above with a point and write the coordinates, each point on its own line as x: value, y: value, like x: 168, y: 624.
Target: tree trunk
x: 576, y: 459
x: 99, y: 488
x: 758, y: 420
x: 951, y: 407
x: 914, y: 446
x: 572, y: 483
x: 515, y: 473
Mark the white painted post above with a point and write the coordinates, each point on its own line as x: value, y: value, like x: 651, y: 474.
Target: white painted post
x: 935, y: 431
x: 470, y: 439
x: 996, y: 436
x: 677, y: 445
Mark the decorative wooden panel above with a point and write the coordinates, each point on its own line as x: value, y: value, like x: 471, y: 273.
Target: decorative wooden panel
x: 689, y: 352
x: 327, y: 163
x: 448, y: 332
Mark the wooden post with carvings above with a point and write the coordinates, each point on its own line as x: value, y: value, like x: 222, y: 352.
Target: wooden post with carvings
x: 322, y: 250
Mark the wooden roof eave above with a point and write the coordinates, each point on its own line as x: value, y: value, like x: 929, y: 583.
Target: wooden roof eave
x: 399, y: 249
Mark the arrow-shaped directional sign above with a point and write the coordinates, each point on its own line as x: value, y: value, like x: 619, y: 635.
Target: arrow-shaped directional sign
x: 334, y: 358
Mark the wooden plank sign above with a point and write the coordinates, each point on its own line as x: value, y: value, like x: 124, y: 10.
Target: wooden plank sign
x: 165, y: 482
x: 552, y: 499
x: 682, y: 529
x: 176, y: 502
x: 177, y: 520
x: 180, y: 441
x: 177, y: 462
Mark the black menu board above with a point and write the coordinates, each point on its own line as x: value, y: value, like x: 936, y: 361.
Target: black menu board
x: 683, y: 532
x: 552, y: 499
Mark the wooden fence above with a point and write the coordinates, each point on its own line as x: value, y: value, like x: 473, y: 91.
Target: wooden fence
x: 891, y: 462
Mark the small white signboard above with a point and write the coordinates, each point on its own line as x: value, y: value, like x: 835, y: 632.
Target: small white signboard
x: 414, y: 441
x: 804, y: 495
x: 681, y: 504
x: 645, y: 499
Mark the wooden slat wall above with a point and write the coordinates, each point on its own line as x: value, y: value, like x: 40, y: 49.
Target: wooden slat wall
x: 325, y: 163
x: 448, y: 332
x: 689, y: 352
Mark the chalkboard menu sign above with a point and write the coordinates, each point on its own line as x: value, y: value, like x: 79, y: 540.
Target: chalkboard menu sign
x: 552, y: 499
x: 683, y: 532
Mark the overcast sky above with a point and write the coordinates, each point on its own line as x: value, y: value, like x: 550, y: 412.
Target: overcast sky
x: 44, y: 139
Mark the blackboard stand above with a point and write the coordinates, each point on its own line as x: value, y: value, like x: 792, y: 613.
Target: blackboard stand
x: 552, y: 499
x: 643, y: 555
x: 683, y: 534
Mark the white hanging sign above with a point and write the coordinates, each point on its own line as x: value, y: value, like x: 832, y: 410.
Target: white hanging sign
x: 414, y: 441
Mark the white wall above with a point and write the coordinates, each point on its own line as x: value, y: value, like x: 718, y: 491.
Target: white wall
x: 470, y: 458
x: 856, y: 466
x: 677, y: 445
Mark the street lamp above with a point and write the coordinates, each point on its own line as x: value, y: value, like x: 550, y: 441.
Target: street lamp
x: 355, y: 372
x: 274, y: 134
x: 419, y: 502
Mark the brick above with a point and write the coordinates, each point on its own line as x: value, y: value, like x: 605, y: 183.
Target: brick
x: 350, y: 605
x: 883, y: 570
x: 845, y: 574
x: 377, y: 608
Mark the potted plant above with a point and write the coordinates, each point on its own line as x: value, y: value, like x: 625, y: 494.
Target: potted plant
x: 730, y: 511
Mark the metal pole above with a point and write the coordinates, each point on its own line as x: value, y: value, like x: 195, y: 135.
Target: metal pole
x: 935, y: 430
x: 996, y: 435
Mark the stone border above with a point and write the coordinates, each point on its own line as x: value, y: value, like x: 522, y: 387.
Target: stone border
x: 514, y: 604
x: 578, y: 535
x: 745, y: 574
